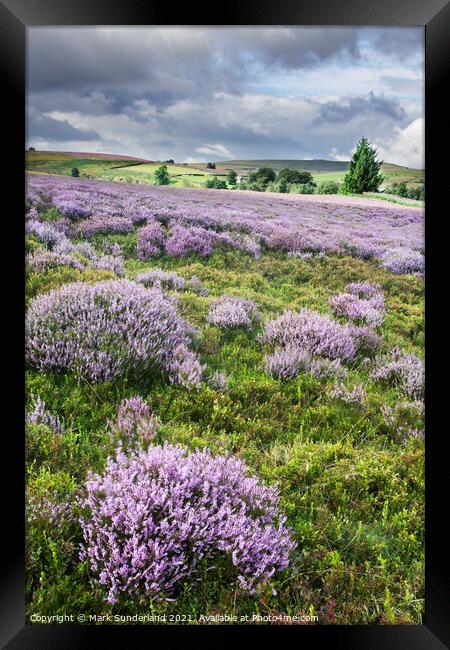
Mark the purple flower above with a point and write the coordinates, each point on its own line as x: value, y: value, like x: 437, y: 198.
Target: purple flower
x: 135, y: 424
x: 153, y: 516
x: 150, y: 240
x: 401, y: 369
x: 106, y: 330
x: 161, y: 279
x: 39, y: 414
x: 230, y: 311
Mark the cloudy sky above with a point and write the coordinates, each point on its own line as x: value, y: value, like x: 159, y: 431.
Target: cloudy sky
x: 200, y: 94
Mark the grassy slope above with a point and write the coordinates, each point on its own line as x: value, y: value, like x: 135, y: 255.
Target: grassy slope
x: 352, y: 493
x: 94, y: 166
x: 110, y: 169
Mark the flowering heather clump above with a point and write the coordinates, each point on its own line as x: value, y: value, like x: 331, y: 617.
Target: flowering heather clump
x: 42, y: 260
x: 40, y: 415
x: 229, y: 311
x: 161, y: 279
x: 112, y: 263
x: 105, y: 330
x: 364, y: 289
x: 219, y: 380
x: 355, y: 395
x: 135, y: 424
x: 104, y: 226
x: 288, y: 362
x: 403, y: 260
x: 307, y: 330
x: 153, y: 516
x: 44, y: 232
x: 401, y: 369
x: 197, y: 286
x: 49, y: 512
x: 184, y: 241
x: 365, y: 310
x: 184, y: 367
x: 366, y: 340
x: 150, y: 240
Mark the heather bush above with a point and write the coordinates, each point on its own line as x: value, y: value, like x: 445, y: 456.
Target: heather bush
x: 197, y: 286
x: 150, y: 240
x: 44, y: 232
x: 104, y: 331
x: 39, y: 414
x: 403, y: 260
x: 162, y: 279
x: 135, y: 425
x: 153, y: 517
x: 369, y: 311
x: 288, y: 362
x: 401, y: 369
x: 315, y: 333
x: 43, y: 260
x: 229, y: 311
x: 104, y: 226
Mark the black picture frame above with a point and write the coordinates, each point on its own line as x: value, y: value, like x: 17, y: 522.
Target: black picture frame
x: 15, y: 16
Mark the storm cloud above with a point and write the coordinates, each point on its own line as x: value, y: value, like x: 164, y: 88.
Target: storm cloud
x: 194, y: 93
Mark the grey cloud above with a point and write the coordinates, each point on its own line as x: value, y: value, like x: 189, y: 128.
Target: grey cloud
x: 46, y: 128
x: 347, y: 109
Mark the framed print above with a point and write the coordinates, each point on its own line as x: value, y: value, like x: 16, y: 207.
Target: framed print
x: 232, y: 413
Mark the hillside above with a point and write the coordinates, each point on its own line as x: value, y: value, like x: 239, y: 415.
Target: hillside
x: 122, y: 168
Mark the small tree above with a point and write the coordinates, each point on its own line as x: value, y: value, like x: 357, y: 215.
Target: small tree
x: 232, y: 177
x: 31, y: 149
x: 363, y: 173
x: 75, y: 172
x: 262, y: 177
x: 162, y: 176
x: 171, y: 161
x: 295, y: 176
x: 328, y: 187
x: 216, y: 184
x: 211, y: 165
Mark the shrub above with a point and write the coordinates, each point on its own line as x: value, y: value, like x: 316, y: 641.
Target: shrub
x: 162, y: 176
x: 44, y: 232
x: 398, y: 368
x: 150, y: 239
x: 75, y: 172
x: 328, y: 187
x: 161, y: 279
x: 135, y: 425
x: 104, y: 226
x: 104, y: 331
x: 39, y: 414
x: 229, y: 311
x: 370, y: 311
x: 403, y: 260
x: 288, y: 362
x: 43, y: 260
x: 216, y: 183
x: 151, y: 518
x: 307, y: 330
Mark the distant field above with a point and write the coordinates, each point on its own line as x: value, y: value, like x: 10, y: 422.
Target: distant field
x: 109, y: 168
x: 112, y: 167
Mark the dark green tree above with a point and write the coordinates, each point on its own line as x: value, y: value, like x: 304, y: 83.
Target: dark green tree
x: 75, y: 172
x: 295, y: 176
x: 216, y: 183
x: 211, y: 165
x: 232, y: 177
x: 162, y: 176
x: 364, y: 171
x: 262, y: 177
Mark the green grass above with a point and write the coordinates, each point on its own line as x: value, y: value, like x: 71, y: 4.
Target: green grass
x: 352, y: 492
x: 196, y: 174
x: 112, y: 169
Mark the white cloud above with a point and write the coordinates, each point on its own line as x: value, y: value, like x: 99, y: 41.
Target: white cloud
x: 215, y: 150
x: 406, y: 146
